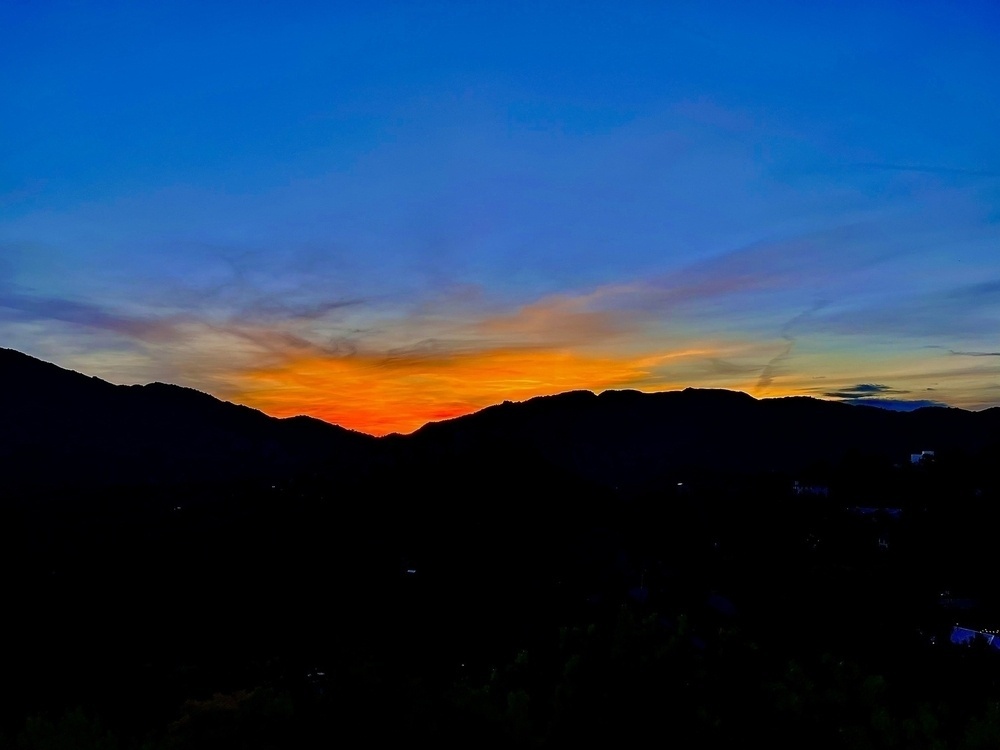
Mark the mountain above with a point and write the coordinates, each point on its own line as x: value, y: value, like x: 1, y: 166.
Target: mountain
x: 64, y: 429
x: 632, y: 439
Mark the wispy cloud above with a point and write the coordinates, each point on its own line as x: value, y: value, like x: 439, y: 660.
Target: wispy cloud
x: 960, y: 353
x: 560, y: 319
x: 26, y: 307
x: 811, y: 261
x: 863, y: 390
x: 877, y: 394
x: 959, y: 311
x: 767, y: 375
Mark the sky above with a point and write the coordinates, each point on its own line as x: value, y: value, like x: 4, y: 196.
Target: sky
x: 384, y: 214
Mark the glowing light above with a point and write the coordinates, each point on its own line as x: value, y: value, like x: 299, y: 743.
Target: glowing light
x: 379, y: 395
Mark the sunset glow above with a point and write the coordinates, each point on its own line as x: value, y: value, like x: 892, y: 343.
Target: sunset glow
x: 391, y: 214
x: 379, y: 396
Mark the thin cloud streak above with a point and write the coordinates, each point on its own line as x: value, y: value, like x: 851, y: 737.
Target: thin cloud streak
x: 960, y: 312
x: 23, y: 307
x: 767, y: 375
x: 863, y: 390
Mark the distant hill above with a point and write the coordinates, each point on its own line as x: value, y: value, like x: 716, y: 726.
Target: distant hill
x: 62, y: 428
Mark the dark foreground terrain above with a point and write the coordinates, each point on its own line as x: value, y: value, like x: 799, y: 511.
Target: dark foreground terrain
x: 694, y: 569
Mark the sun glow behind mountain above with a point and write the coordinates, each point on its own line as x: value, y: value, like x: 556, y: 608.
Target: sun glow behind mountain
x: 389, y: 214
x: 383, y: 395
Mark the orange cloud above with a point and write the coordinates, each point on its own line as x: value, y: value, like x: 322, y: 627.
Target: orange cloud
x: 559, y: 318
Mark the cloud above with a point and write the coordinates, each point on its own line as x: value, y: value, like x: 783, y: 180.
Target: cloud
x: 960, y: 353
x: 249, y: 286
x: 708, y: 289
x: 963, y: 310
x: 26, y: 307
x: 872, y: 394
x: 862, y: 390
x: 721, y: 292
x: 719, y: 366
x: 560, y: 320
x: 809, y: 261
x: 770, y: 369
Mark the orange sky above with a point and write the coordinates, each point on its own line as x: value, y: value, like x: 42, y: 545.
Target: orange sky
x: 379, y: 395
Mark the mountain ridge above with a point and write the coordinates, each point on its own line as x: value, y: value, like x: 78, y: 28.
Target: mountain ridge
x: 63, y: 427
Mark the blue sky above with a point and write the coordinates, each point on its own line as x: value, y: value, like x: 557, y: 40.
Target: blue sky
x: 388, y: 214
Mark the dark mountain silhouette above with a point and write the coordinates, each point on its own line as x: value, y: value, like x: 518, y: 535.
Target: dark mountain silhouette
x: 633, y: 440
x: 62, y: 428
